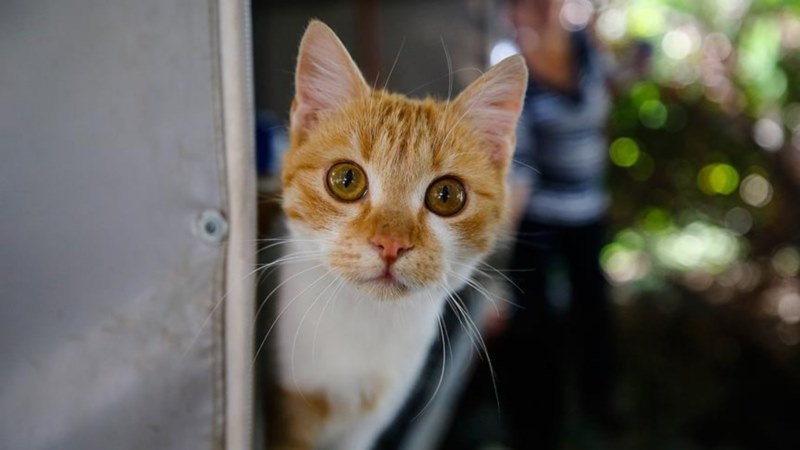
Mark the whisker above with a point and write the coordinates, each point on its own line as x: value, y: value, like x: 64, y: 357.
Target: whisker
x: 273, y: 198
x: 449, y: 72
x: 275, y: 265
x: 482, y: 289
x: 504, y: 276
x: 447, y: 336
x: 300, y: 326
x: 443, y: 76
x: 457, y: 311
x: 485, y: 352
x: 479, y: 288
x: 287, y: 239
x: 276, y: 243
x: 469, y: 109
x: 280, y: 314
x: 294, y: 257
x: 211, y: 313
x: 319, y: 320
x: 396, y: 58
x: 441, y: 374
x: 275, y: 289
x: 534, y: 169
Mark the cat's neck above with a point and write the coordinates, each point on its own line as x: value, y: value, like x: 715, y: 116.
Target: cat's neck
x: 327, y: 326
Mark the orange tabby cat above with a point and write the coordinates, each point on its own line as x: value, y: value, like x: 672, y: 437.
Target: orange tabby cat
x: 391, y: 203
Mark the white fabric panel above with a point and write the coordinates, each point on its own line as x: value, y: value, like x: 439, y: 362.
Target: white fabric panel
x: 112, y: 138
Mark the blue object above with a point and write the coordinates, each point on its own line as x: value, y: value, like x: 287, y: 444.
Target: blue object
x: 271, y: 142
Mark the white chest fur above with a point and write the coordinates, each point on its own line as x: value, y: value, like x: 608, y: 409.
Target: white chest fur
x: 361, y: 353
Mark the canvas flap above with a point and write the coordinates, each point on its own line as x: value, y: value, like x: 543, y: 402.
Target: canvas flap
x: 124, y: 181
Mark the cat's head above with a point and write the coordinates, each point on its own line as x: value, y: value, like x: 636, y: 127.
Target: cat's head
x: 397, y: 195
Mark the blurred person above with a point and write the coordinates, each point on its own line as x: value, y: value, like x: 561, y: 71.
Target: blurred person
x: 561, y: 204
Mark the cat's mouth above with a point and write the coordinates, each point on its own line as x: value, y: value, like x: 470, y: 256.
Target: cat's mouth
x: 387, y: 278
x: 386, y: 284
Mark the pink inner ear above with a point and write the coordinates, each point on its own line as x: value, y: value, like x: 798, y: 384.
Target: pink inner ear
x: 493, y: 104
x: 325, y: 79
x: 502, y: 134
x: 497, y: 122
x: 303, y: 115
x: 501, y: 153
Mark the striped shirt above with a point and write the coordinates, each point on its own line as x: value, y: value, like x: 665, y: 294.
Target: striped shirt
x: 562, y: 137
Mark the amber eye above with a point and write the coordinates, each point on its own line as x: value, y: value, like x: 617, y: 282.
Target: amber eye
x: 446, y: 196
x: 347, y: 181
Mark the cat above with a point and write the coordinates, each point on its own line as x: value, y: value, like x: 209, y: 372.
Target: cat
x: 391, y: 202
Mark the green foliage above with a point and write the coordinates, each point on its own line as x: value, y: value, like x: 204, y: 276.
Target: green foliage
x: 697, y: 141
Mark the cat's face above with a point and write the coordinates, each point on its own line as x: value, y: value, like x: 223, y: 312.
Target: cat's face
x: 397, y: 195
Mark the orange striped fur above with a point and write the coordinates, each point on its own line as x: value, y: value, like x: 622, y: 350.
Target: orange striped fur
x: 403, y: 145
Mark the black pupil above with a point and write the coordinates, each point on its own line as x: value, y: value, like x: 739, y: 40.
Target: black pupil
x: 444, y: 194
x: 348, y: 178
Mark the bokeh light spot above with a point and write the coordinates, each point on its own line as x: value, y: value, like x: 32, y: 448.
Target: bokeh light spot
x: 786, y: 261
x: 645, y: 20
x: 575, y: 14
x: 676, y: 44
x: 624, y: 152
x: 630, y: 239
x: 715, y: 179
x: 791, y: 116
x: 718, y: 45
x: 653, y: 114
x: 768, y: 134
x: 611, y: 24
x: 789, y: 307
x: 622, y: 264
x: 756, y: 190
x: 656, y: 219
x: 698, y: 246
x: 644, y: 91
x: 502, y: 50
x: 739, y: 220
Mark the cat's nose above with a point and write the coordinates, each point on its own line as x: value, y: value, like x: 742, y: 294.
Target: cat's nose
x: 390, y: 247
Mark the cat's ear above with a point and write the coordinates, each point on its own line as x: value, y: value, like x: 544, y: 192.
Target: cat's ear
x: 492, y: 104
x: 325, y: 79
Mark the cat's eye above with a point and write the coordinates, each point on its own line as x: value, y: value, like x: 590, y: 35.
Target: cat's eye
x: 446, y: 196
x: 347, y: 181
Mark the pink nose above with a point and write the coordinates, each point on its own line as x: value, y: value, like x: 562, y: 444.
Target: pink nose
x: 390, y: 248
